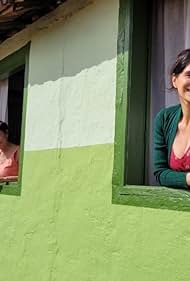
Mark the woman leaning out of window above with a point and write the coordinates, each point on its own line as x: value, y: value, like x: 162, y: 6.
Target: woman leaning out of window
x: 9, y: 155
x: 172, y: 130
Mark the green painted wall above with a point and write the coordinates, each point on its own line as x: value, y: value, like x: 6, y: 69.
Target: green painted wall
x: 64, y: 227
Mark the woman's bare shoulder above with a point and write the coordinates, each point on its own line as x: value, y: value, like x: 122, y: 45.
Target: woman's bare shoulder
x: 14, y: 150
x: 13, y: 147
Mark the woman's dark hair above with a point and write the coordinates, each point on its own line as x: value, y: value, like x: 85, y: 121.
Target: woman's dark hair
x: 182, y: 60
x: 4, y: 127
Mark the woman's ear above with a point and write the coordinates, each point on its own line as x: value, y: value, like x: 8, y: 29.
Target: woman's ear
x: 174, y: 78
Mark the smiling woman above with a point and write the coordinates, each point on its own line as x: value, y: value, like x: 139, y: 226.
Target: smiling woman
x: 9, y: 155
x: 172, y: 130
x: 11, y: 111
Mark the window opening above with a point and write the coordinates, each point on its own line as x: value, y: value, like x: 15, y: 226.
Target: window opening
x: 169, y: 36
x: 15, y: 103
x: 12, y: 90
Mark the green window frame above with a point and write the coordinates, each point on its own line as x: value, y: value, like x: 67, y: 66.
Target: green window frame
x: 131, y: 126
x: 8, y: 66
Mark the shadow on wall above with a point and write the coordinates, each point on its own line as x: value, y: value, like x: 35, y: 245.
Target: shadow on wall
x: 84, y: 41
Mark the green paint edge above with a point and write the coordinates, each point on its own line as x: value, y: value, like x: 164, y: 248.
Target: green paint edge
x: 134, y: 195
x: 8, y: 66
x: 10, y: 189
x: 23, y: 125
x: 123, y: 72
x: 12, y: 62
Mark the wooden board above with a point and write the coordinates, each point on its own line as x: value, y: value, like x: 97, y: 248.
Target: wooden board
x: 16, y: 14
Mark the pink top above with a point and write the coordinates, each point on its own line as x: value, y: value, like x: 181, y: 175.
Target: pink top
x: 10, y: 166
x: 180, y: 164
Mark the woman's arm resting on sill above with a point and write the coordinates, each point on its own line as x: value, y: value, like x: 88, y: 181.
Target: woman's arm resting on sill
x: 9, y: 179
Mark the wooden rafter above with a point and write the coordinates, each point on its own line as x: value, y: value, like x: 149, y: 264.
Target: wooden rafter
x: 16, y: 14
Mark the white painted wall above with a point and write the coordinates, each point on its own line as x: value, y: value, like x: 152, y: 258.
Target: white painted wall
x: 72, y: 80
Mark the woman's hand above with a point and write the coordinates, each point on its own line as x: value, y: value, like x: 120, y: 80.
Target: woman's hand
x: 188, y: 178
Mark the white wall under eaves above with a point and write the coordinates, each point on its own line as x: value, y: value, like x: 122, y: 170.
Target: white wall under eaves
x: 72, y: 79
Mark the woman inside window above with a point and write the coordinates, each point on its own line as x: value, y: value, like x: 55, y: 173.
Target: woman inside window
x: 9, y: 156
x: 172, y: 130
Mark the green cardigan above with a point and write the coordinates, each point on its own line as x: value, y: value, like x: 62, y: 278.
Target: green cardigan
x: 165, y: 128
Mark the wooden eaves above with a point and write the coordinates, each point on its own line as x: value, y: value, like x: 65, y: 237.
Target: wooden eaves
x: 17, y: 14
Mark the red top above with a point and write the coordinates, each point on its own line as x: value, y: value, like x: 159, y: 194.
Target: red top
x: 180, y: 164
x: 10, y: 166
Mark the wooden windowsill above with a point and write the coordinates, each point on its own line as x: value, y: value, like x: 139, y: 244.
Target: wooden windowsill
x: 158, y: 197
x: 10, y: 187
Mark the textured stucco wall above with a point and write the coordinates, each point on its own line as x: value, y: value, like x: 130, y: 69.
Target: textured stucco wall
x: 74, y: 77
x: 63, y: 226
